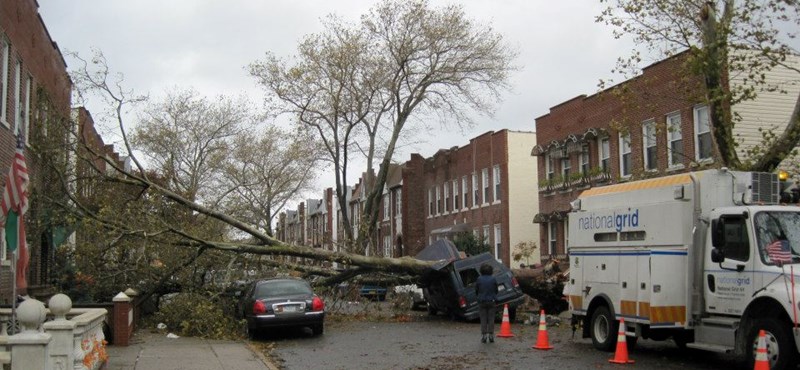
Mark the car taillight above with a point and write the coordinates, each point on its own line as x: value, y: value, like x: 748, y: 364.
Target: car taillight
x: 317, y: 304
x: 514, y: 282
x: 462, y: 302
x: 259, y: 308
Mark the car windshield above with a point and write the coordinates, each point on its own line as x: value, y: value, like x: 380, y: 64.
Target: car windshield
x: 282, y: 288
x: 778, y: 236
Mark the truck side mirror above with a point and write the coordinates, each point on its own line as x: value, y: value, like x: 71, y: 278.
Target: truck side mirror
x: 717, y: 255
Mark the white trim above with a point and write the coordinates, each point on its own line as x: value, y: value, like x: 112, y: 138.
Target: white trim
x: 623, y: 139
x: 4, y: 93
x: 648, y: 134
x: 17, y: 106
x: 485, y: 182
x: 697, y: 133
x: 604, y: 156
x: 498, y: 241
x: 27, y: 119
x: 670, y: 138
x: 496, y: 176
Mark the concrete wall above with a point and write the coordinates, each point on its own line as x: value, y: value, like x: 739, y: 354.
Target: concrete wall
x: 523, y: 192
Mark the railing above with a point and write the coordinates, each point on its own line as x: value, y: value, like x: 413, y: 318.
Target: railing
x: 58, y: 338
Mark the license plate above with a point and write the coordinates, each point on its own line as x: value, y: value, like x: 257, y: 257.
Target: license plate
x: 287, y: 309
x: 501, y: 288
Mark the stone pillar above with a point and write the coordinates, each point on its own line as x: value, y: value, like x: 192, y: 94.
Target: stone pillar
x: 29, y: 347
x: 62, y: 353
x: 123, y: 319
x: 132, y: 293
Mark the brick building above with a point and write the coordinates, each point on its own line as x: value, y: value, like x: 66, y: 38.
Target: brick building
x: 487, y: 187
x: 653, y: 125
x: 34, y: 99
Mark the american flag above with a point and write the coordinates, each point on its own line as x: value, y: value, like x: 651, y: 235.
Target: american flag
x: 779, y: 253
x: 14, y: 204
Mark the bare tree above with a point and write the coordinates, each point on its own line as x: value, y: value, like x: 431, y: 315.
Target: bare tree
x: 265, y: 170
x: 725, y: 38
x: 405, y: 59
x: 187, y: 138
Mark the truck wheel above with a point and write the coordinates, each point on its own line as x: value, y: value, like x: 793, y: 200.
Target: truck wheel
x: 781, y: 351
x: 603, y: 329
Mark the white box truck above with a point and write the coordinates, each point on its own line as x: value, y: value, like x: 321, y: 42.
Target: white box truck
x: 705, y: 258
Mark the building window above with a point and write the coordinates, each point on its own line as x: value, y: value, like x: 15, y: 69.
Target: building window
x: 6, y: 55
x: 446, y: 190
x: 497, y: 241
x: 26, y: 108
x: 584, y: 159
x: 398, y: 202
x: 456, y: 205
x: 387, y: 246
x: 496, y: 178
x: 551, y: 245
x: 430, y: 202
x: 549, y: 166
x: 702, y: 133
x: 566, y: 168
x: 485, y: 179
x: 387, y: 200
x: 18, y: 98
x: 438, y: 201
x: 674, y: 139
x: 624, y: 154
x: 476, y: 192
x: 465, y: 191
x: 605, y: 155
x: 649, y: 145
x: 486, y: 235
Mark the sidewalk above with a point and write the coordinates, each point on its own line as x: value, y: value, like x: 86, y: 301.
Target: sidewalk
x: 151, y: 351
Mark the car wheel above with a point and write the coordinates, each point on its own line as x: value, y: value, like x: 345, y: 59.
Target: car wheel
x: 778, y: 339
x: 603, y: 329
x: 512, y: 314
x: 317, y: 329
x: 252, y: 333
x: 432, y: 311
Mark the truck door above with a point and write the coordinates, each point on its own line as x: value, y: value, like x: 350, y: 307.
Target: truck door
x: 728, y: 285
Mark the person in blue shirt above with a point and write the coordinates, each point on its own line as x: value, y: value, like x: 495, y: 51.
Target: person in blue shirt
x: 486, y: 290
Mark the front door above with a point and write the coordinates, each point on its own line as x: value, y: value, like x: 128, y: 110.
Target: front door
x: 728, y: 286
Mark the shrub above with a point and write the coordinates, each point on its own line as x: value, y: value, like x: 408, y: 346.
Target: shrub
x: 195, y: 315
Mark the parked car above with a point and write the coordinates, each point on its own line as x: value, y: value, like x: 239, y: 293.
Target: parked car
x: 373, y: 292
x: 415, y: 292
x: 450, y: 287
x: 284, y: 302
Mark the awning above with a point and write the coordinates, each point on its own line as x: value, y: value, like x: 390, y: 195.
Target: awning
x: 570, y: 144
x: 540, y: 218
x: 452, y: 229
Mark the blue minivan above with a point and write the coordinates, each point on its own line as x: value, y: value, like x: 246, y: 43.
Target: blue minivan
x: 450, y: 287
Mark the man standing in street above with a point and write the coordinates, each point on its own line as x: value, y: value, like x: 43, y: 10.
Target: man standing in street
x: 486, y: 290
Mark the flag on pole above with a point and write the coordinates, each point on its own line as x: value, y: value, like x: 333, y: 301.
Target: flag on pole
x: 14, y: 204
x: 779, y: 253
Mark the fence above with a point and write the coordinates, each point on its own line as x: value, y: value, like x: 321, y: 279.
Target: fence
x: 62, y: 337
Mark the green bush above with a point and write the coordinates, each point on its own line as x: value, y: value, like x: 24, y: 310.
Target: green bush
x: 196, y: 315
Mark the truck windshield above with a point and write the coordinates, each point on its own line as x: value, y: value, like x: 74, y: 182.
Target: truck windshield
x: 778, y: 236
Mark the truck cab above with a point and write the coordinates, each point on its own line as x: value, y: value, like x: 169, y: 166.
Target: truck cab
x: 704, y: 258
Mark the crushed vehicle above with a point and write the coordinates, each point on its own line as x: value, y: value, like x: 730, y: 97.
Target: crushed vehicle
x: 450, y: 286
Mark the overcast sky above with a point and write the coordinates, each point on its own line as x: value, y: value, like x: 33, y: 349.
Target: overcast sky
x: 207, y: 45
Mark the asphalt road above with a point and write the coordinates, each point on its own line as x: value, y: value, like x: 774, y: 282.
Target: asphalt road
x: 438, y: 343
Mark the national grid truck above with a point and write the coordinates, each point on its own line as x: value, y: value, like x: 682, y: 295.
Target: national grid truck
x: 704, y: 258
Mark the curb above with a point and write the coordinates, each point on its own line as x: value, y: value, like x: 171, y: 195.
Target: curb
x: 261, y: 356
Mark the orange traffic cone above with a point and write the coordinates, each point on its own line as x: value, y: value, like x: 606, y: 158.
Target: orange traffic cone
x: 505, y: 327
x: 542, y: 342
x: 762, y: 363
x: 621, y: 355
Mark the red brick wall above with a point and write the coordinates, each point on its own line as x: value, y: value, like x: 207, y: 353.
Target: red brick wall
x: 483, y: 152
x: 30, y: 43
x: 663, y: 88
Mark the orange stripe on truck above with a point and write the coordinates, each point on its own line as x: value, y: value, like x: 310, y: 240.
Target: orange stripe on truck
x: 638, y: 185
x: 668, y: 314
x: 627, y: 308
